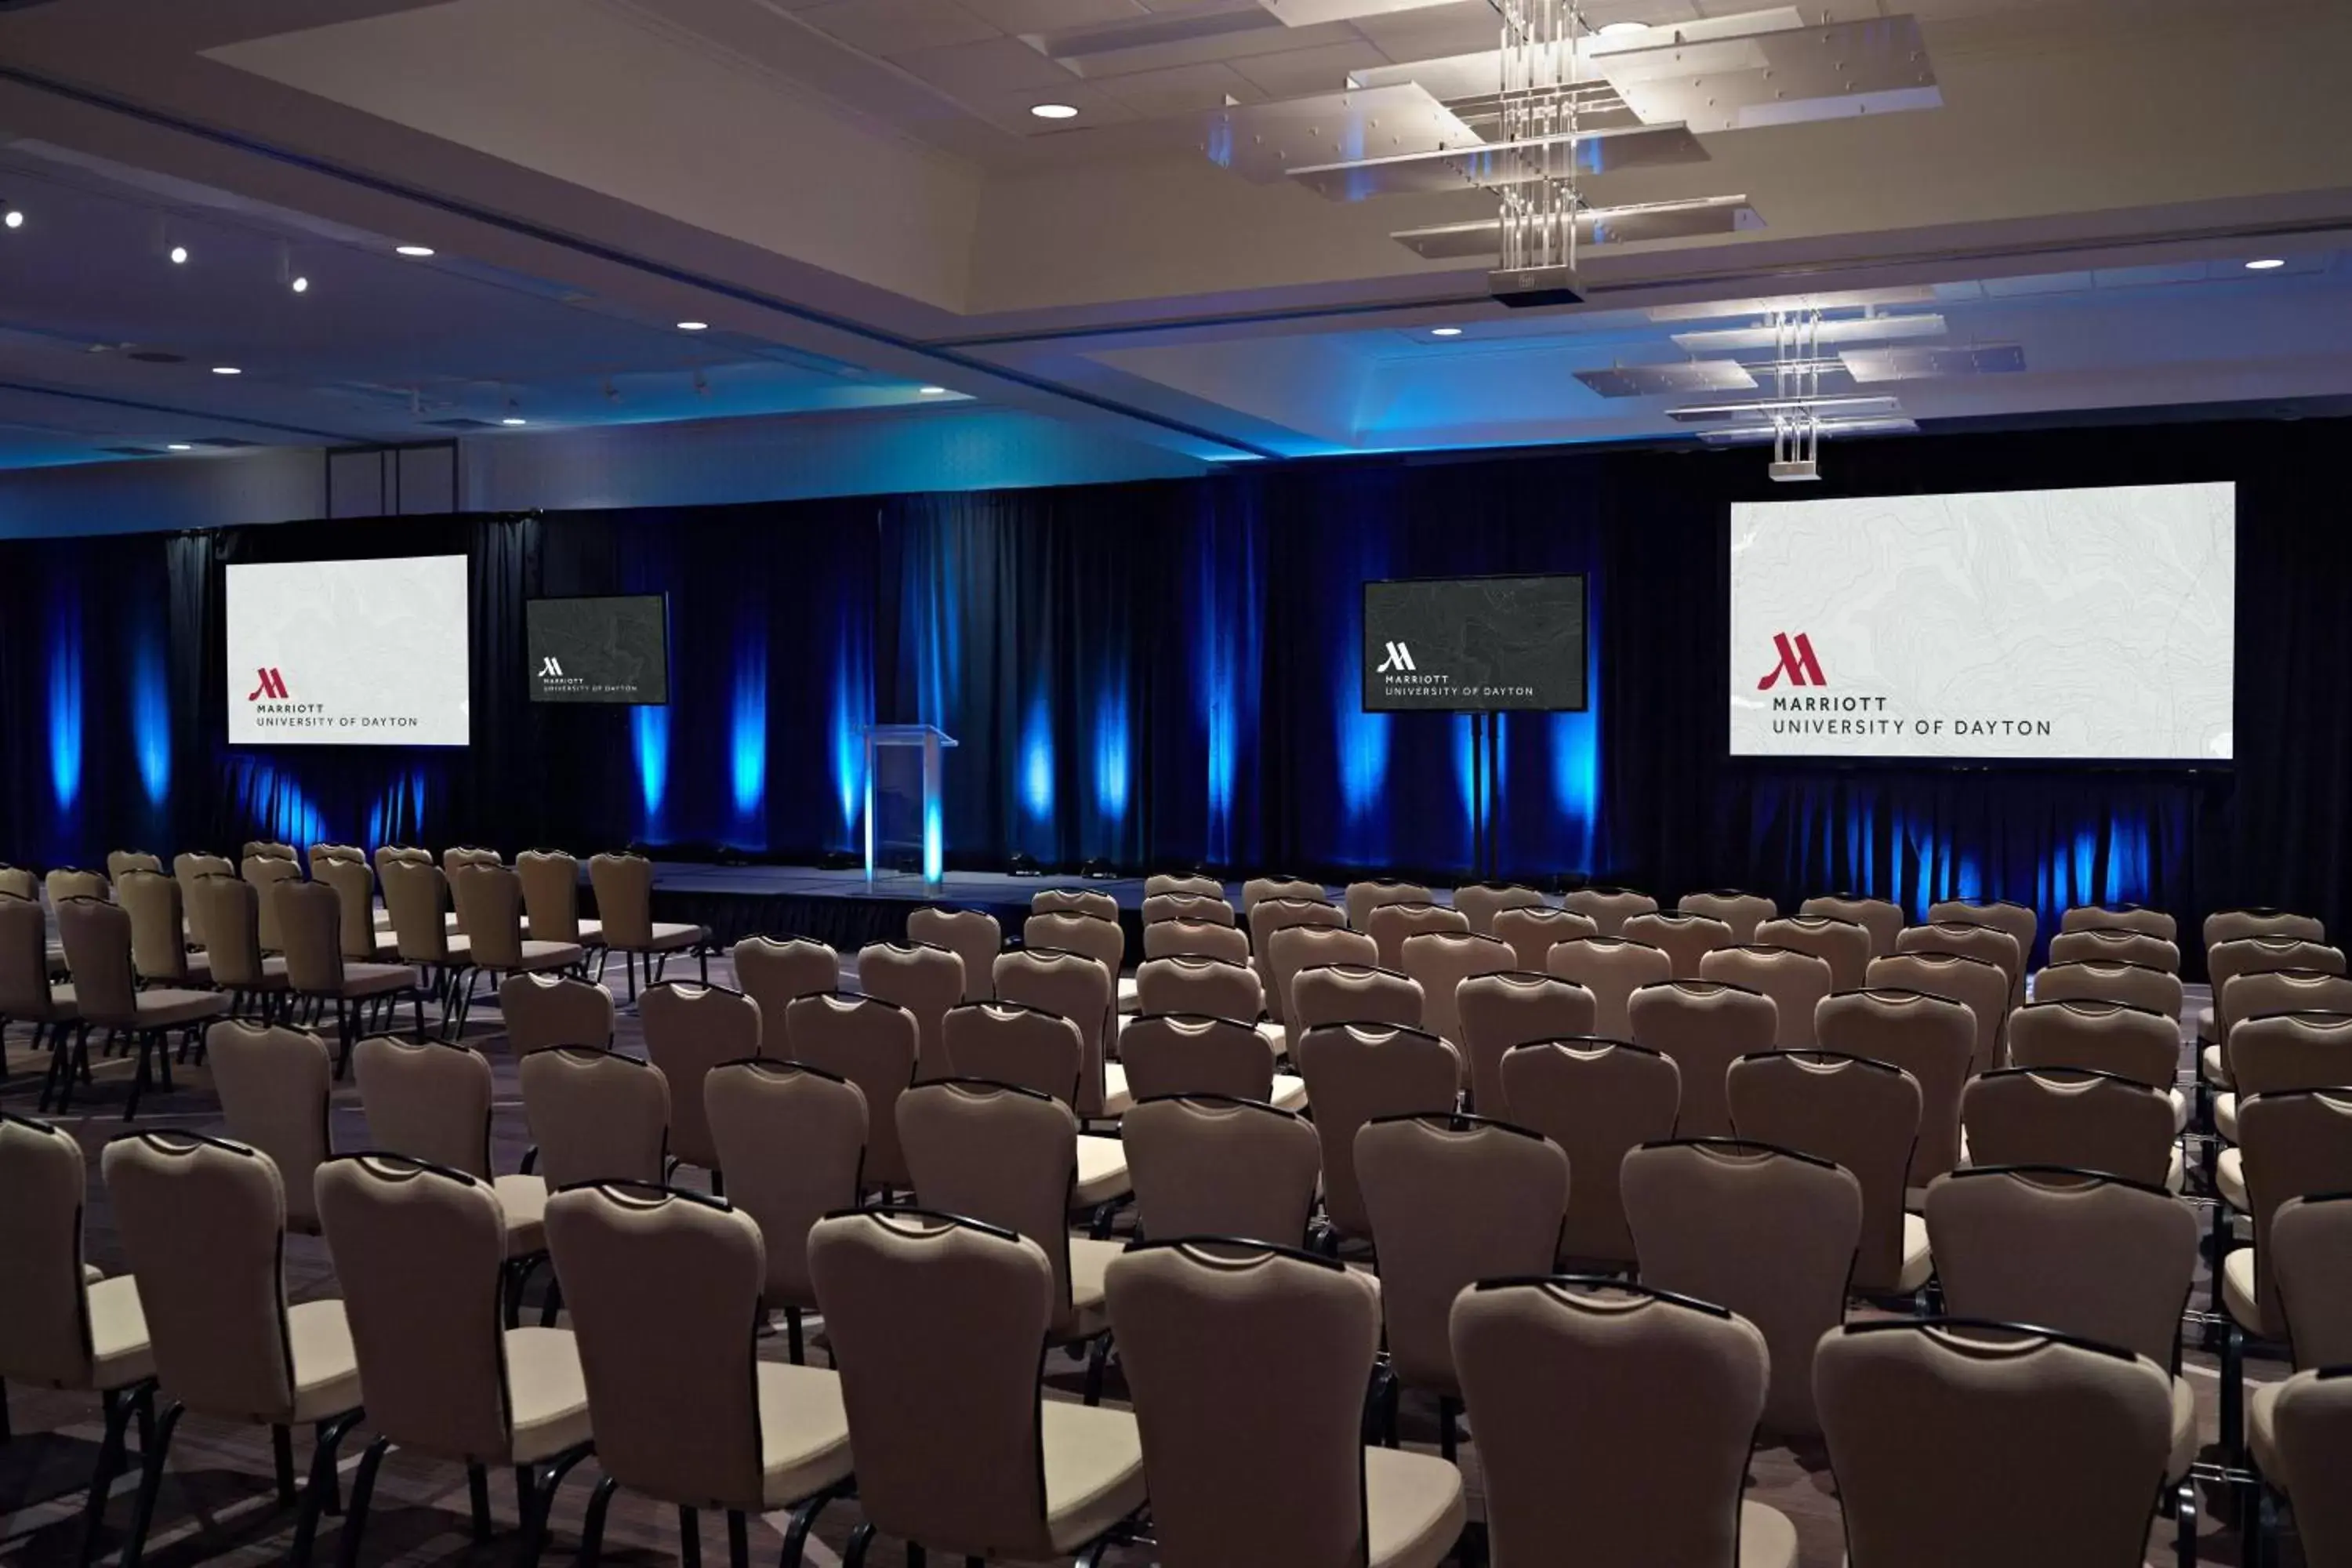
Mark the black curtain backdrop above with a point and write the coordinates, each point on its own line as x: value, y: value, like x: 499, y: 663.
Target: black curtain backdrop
x: 1168, y: 673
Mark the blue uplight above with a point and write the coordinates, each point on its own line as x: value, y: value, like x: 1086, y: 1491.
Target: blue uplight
x: 1111, y: 751
x: 1037, y: 760
x: 749, y: 737
x: 851, y: 712
x: 649, y: 732
x: 65, y: 702
x: 151, y: 716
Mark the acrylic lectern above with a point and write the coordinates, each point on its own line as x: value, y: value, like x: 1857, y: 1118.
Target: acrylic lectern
x: 902, y: 796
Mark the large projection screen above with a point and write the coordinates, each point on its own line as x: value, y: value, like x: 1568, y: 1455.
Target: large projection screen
x: 2085, y: 625
x: 349, y: 653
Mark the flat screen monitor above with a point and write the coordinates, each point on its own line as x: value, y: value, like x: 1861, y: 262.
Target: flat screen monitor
x: 2082, y: 624
x: 1474, y: 645
x: 349, y: 653
x: 599, y: 650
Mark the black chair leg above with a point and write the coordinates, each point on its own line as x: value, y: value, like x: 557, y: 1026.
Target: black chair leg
x: 1098, y: 1358
x: 1447, y: 1436
x: 321, y: 1496
x: 543, y: 1505
x: 553, y: 1303
x: 119, y: 1404
x: 796, y: 1536
x: 281, y: 1450
x: 739, y: 1541
x: 2184, y: 1525
x: 362, y: 1488
x: 916, y: 1556
x: 151, y: 1483
x: 859, y: 1540
x: 793, y: 1345
x: 477, y: 1497
x: 592, y: 1534
x: 2233, y: 1395
x: 689, y: 1538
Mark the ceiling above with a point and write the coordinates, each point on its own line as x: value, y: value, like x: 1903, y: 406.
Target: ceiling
x: 856, y: 197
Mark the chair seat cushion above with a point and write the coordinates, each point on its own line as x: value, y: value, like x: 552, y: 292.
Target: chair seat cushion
x: 1117, y: 1099
x: 1094, y: 1470
x: 167, y: 1005
x: 2179, y: 1111
x: 54, y: 955
x: 1916, y: 1262
x: 2208, y: 1066
x: 803, y: 1432
x: 63, y: 1007
x: 2176, y: 1172
x: 376, y: 979
x: 1089, y: 1268
x: 1289, y: 1093
x: 2238, y: 1290
x: 1767, y: 1539
x: 1414, y: 1509
x: 543, y: 955
x: 2225, y: 1116
x: 592, y: 933
x: 2230, y: 1178
x: 1276, y: 1038
x: 546, y: 1392
x: 1102, y: 1173
x: 2261, y: 1431
x: 669, y: 937
x: 2204, y: 1022
x: 1130, y: 999
x: 118, y: 1333
x: 524, y: 1201
x: 326, y: 1367
x: 2184, y: 1430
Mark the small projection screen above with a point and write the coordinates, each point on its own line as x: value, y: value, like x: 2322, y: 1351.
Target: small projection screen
x: 2083, y: 625
x: 349, y: 653
x: 1474, y: 645
x: 599, y: 650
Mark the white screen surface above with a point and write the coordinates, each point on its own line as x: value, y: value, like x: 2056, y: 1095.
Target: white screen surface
x: 2086, y: 624
x: 349, y: 653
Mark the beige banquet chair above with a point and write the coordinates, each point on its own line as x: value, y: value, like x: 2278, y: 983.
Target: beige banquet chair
x: 775, y: 974
x: 1257, y: 889
x: 594, y: 1116
x: 2226, y: 962
x: 363, y: 941
x: 1798, y: 984
x: 1247, y: 1363
x: 1011, y: 1042
x: 871, y: 1043
x: 489, y: 908
x: 268, y: 873
x: 1481, y: 903
x: 106, y: 996
x: 2261, y: 993
x: 2280, y: 1052
x: 550, y: 900
x: 685, y: 1410
x: 416, y: 901
x: 1766, y: 1233
x: 1356, y: 1073
x: 690, y: 1029
x: 2108, y: 980
x: 1684, y: 939
x: 1705, y: 1025
x: 2070, y: 1116
x: 1930, y: 1037
x: 1440, y: 962
x: 1074, y: 931
x: 1991, y: 945
x: 71, y: 882
x: 2260, y: 920
x: 624, y: 885
x: 27, y: 995
x: 1195, y: 939
x: 1269, y: 916
x: 1211, y: 1165
x: 1211, y: 907
x: 972, y: 935
x: 542, y: 1011
x: 791, y: 1138
x: 1860, y: 1115
x: 1611, y: 969
x: 1742, y: 911
x: 1844, y: 945
x: 1352, y: 993
x: 15, y: 882
x: 1926, y: 1421
x: 1079, y: 989
x: 1882, y: 917
x: 1597, y: 1099
x: 925, y: 982
x: 2120, y: 917
x: 1175, y: 1053
x: 268, y: 849
x: 1210, y: 987
x: 365, y: 996
x: 2292, y: 1144
x: 1976, y: 984
x: 1189, y: 884
x: 936, y: 1321
x: 1533, y: 932
x: 2312, y: 1240
x: 1074, y: 900
x: 2093, y: 944
x: 2311, y: 1417
x: 274, y: 1084
x: 1390, y: 926
x: 1501, y: 1011
x: 120, y: 862
x: 1608, y: 908
x: 159, y: 945
x: 2020, y: 924
x: 186, y: 867
x: 1668, y: 1391
x: 1301, y: 947
x: 1361, y: 898
x: 2106, y: 1037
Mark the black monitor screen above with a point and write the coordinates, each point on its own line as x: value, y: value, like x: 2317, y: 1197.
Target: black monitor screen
x: 1474, y: 645
x: 599, y: 650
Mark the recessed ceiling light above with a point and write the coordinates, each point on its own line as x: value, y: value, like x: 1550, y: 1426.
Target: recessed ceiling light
x: 2266, y: 264
x: 300, y: 285
x: 694, y: 326
x: 1619, y: 29
x: 1055, y: 110
x: 226, y: 370
x: 179, y: 255
x: 177, y: 446
x: 412, y: 249
x: 13, y: 219
x: 932, y: 391
x: 511, y: 419
x: 1444, y: 331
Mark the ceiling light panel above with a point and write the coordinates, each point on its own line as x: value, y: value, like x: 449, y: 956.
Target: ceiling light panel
x: 1597, y: 226
x: 1781, y: 77
x: 1264, y: 142
x: 1674, y: 377
x: 1844, y: 405
x: 1504, y: 163
x: 1745, y: 435
x: 1851, y: 299
x: 1854, y: 330
x: 1314, y: 13
x: 1917, y: 361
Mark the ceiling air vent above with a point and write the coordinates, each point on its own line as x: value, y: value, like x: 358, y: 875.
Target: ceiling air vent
x: 158, y: 356
x: 461, y: 423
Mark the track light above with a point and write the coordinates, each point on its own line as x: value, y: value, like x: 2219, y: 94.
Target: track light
x: 300, y: 285
x: 179, y: 254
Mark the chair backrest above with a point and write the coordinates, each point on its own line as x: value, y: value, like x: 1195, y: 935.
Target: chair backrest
x: 1842, y: 944
x: 663, y: 1291
x: 120, y: 862
x: 1195, y: 938
x: 2311, y: 1423
x: 1500, y: 1011
x: 936, y: 1324
x: 1797, y: 982
x: 186, y: 867
x: 2247, y: 997
x: 872, y: 1044
x: 1667, y: 1390
x: 2098, y: 944
x: 159, y: 950
x: 416, y: 896
x: 70, y: 883
x: 420, y: 1252
x: 2291, y: 1050
x: 2229, y: 962
x: 354, y: 887
x: 202, y: 1222
x: 44, y: 1320
x: 24, y: 960
x: 1074, y: 900
x: 2120, y: 917
x: 1211, y: 1165
x: 1989, y: 943
x: 325, y: 853
x: 1257, y: 889
x: 1295, y: 948
x: 1356, y: 1072
x: 268, y: 849
x: 1612, y: 968
x: 2067, y: 1116
x: 1361, y: 898
x: 775, y: 973
x: 2076, y: 1251
x: 15, y: 882
x: 490, y: 912
x: 972, y: 935
x: 1743, y: 912
x: 624, y: 886
x: 1453, y: 1200
x: 228, y: 911
x: 310, y: 934
x: 1608, y: 908
x: 1351, y: 994
x: 925, y: 981
x: 2003, y: 915
x: 1684, y: 939
x: 267, y: 872
x: 1480, y: 902
x: 2106, y: 1037
x: 1980, y: 985
x: 2295, y: 1143
x: 690, y: 1029
x: 1858, y: 1114
x: 274, y: 1084
x: 1269, y: 916
x: 1212, y: 986
x: 1932, y: 1038
x: 792, y: 1138
x: 550, y: 894
x: 2235, y: 925
x: 400, y: 854
x: 1441, y: 961
x: 1766, y: 1233
x: 2311, y: 1262
x: 596, y: 1116
x: 1003, y: 1155
x: 2110, y: 980
x: 1077, y: 988
x: 1248, y: 1365
x: 427, y: 1099
x: 1596, y: 1100
x: 1190, y: 884
x: 458, y: 854
x: 1924, y: 1422
x: 1390, y: 926
x: 1161, y: 907
x: 545, y: 1010
x: 1071, y: 931
x: 1883, y: 918
x: 1533, y: 932
x: 1009, y: 1042
x: 96, y: 936
x: 1176, y: 1053
x: 1705, y: 1025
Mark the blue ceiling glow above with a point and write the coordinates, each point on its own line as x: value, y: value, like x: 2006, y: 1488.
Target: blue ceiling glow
x: 649, y: 735
x: 1112, y: 749
x: 65, y: 698
x: 853, y: 710
x: 1038, y: 759
x: 151, y: 715
x: 748, y: 739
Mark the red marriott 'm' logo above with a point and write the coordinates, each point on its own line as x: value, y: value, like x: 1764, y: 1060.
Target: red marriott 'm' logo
x: 1797, y: 662
x: 273, y: 686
